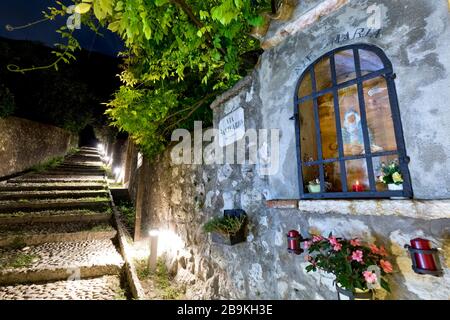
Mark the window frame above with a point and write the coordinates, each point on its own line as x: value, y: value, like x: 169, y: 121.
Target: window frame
x: 388, y: 74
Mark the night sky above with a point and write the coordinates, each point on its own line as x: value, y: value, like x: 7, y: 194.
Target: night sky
x: 20, y: 12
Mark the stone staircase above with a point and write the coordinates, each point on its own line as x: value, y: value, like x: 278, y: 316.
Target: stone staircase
x: 57, y: 239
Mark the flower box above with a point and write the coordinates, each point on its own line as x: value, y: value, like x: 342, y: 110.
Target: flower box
x: 234, y: 220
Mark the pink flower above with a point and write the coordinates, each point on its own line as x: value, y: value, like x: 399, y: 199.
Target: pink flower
x: 386, y: 265
x: 355, y: 242
x: 317, y: 238
x: 308, y: 258
x: 357, y: 255
x: 337, y: 247
x: 333, y: 241
x: 370, y: 277
x: 306, y: 245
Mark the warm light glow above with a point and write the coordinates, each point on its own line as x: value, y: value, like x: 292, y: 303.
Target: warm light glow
x: 357, y: 182
x: 101, y: 148
x: 169, y: 242
x: 153, y: 233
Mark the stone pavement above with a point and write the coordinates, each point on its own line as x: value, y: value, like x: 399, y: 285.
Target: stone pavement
x: 57, y: 240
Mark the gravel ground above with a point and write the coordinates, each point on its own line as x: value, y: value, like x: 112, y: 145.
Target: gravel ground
x: 102, y: 288
x: 68, y: 254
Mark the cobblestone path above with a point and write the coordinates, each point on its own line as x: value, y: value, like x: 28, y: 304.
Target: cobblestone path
x: 57, y: 239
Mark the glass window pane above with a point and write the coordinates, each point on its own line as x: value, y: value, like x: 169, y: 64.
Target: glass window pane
x: 308, y: 141
x: 328, y: 126
x: 345, y: 66
x: 305, y: 88
x: 369, y: 62
x: 378, y: 164
x: 311, y: 178
x: 379, y: 116
x: 333, y: 177
x: 322, y: 72
x: 357, y: 178
x: 352, y: 134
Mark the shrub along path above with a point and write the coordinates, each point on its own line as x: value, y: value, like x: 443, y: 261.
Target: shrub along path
x: 57, y: 240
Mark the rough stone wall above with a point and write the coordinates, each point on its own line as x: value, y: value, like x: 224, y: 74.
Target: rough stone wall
x: 25, y: 143
x: 180, y: 198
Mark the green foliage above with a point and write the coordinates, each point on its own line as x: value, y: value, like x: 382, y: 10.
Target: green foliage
x: 47, y: 165
x: 180, y: 55
x: 337, y: 256
x: 128, y: 214
x: 7, y: 104
x: 165, y: 286
x: 228, y: 225
x: 17, y: 259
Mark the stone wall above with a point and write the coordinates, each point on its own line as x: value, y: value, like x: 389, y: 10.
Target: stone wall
x: 178, y: 199
x: 25, y: 143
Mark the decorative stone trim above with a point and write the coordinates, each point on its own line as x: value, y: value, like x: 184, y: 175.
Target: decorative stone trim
x: 282, y: 204
x: 312, y: 16
x: 418, y: 209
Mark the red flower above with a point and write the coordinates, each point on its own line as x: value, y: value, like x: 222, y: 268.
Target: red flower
x: 383, y: 251
x: 355, y: 242
x: 374, y: 249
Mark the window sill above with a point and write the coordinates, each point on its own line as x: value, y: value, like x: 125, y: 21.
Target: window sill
x: 418, y: 209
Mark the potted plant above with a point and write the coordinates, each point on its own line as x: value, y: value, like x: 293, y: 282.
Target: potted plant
x: 392, y: 176
x: 229, y: 229
x: 314, y: 186
x: 358, y: 268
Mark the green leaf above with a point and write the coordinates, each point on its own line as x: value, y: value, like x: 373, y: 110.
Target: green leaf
x: 82, y: 8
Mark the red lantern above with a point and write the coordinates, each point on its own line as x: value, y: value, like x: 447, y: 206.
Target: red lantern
x: 424, y: 258
x: 294, y: 238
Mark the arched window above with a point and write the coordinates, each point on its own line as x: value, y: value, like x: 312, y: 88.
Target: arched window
x: 348, y: 127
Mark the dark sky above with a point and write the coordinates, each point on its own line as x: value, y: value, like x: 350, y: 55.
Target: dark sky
x: 21, y: 12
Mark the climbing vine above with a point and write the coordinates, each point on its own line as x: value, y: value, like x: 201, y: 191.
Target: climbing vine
x: 180, y: 55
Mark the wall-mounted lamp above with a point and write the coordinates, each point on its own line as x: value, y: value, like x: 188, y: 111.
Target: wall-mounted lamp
x: 425, y: 260
x: 294, y: 238
x: 153, y: 256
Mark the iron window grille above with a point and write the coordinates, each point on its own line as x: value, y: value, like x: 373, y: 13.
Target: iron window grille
x: 387, y: 73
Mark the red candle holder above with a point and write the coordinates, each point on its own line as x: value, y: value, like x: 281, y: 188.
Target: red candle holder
x: 357, y: 187
x: 294, y: 238
x: 425, y: 260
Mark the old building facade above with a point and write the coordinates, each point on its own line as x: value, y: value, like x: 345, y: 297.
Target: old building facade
x: 347, y: 86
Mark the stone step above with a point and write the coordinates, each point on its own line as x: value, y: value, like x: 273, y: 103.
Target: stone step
x: 73, y: 194
x: 66, y: 216
x: 38, y: 233
x: 84, y: 158
x: 67, y: 167
x: 48, y: 187
x: 46, y: 179
x: 59, y: 261
x: 100, y: 288
x: 72, y: 174
x: 60, y: 204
